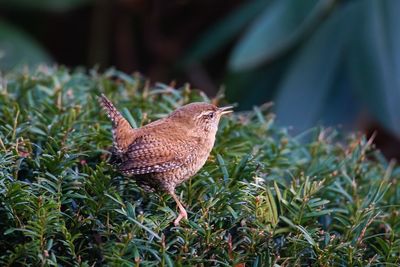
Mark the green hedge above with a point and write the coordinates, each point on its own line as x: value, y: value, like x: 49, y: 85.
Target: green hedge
x: 263, y: 198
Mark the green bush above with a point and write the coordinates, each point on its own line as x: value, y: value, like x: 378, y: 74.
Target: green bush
x: 264, y: 198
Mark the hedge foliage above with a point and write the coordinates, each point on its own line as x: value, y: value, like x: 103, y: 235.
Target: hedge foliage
x: 263, y: 198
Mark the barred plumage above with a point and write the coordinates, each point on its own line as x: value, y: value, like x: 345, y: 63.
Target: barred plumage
x: 164, y: 153
x: 123, y: 133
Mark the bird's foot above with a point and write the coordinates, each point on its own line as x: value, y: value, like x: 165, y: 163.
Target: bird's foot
x: 182, y: 215
x: 182, y: 211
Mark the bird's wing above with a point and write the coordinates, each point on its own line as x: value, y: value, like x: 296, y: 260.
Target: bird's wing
x: 152, y: 153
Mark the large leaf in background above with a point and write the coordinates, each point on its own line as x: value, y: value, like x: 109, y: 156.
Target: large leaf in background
x: 251, y: 88
x: 374, y: 60
x: 341, y: 108
x: 17, y: 48
x: 308, y: 81
x: 49, y: 5
x: 224, y: 31
x: 279, y: 27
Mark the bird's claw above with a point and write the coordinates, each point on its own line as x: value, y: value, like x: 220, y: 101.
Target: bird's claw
x: 182, y: 215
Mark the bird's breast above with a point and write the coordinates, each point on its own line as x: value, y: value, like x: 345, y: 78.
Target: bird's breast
x: 197, y: 158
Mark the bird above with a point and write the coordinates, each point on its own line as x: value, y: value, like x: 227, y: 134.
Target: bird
x: 163, y: 154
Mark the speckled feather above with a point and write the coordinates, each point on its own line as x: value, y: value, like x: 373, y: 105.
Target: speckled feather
x: 160, y: 158
x: 164, y: 153
x: 123, y: 133
x: 155, y: 152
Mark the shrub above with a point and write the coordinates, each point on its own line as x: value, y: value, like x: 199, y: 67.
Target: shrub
x: 263, y: 198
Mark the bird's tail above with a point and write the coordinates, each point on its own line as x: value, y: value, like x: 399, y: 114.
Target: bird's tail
x: 123, y: 133
x: 112, y: 113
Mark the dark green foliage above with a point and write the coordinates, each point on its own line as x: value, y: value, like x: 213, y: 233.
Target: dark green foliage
x: 263, y: 198
x: 320, y: 61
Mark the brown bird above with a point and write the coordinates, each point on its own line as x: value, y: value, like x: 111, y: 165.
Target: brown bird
x: 164, y: 153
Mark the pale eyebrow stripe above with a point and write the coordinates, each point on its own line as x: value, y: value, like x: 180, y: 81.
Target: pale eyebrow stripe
x: 205, y: 113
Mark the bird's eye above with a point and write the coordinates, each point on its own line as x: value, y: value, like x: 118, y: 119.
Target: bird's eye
x: 210, y: 115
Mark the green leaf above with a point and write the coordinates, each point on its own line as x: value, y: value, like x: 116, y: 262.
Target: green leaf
x: 168, y: 260
x: 307, y: 235
x: 129, y: 117
x: 224, y: 31
x: 144, y: 227
x: 273, y: 207
x: 308, y: 81
x: 18, y: 48
x: 318, y: 213
x: 223, y: 168
x: 277, y: 29
x: 374, y: 60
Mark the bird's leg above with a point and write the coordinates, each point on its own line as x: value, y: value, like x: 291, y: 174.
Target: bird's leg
x: 182, y: 211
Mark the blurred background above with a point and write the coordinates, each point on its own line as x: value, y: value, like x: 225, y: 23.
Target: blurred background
x: 329, y: 62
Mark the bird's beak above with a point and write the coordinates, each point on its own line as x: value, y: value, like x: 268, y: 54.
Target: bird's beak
x: 225, y: 110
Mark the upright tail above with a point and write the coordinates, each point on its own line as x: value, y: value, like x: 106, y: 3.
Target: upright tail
x: 112, y: 113
x: 123, y: 133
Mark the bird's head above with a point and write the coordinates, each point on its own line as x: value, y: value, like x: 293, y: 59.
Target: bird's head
x: 200, y: 116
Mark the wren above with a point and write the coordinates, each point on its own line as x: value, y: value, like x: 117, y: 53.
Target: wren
x: 166, y: 152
